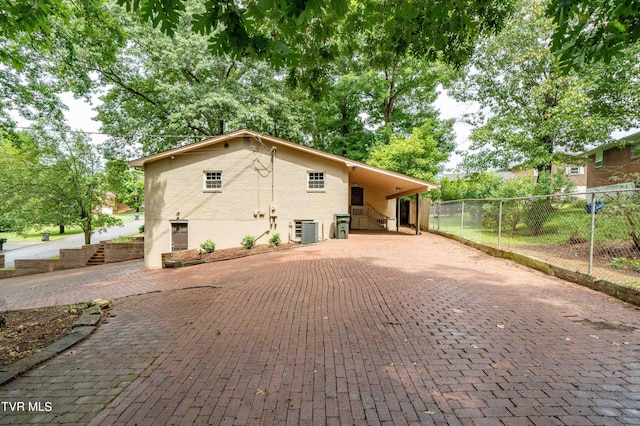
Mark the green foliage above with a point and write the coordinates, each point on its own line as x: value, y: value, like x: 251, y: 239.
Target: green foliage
x: 275, y: 240
x: 627, y: 205
x: 51, y: 178
x: 622, y: 263
x: 171, y: 91
x: 592, y: 30
x: 533, y: 116
x: 125, y: 183
x: 535, y: 212
x: 419, y: 155
x: 141, y: 229
x: 297, y: 32
x: 208, y: 246
x: 248, y: 242
x: 478, y: 185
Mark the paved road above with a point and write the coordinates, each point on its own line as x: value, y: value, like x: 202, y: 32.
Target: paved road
x: 377, y: 329
x: 48, y: 249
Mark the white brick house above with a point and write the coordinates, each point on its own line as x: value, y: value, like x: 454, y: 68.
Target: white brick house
x: 248, y: 183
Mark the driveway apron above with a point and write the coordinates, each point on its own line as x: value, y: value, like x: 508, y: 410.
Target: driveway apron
x: 382, y: 328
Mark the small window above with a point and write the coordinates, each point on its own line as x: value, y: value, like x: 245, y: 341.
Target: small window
x: 575, y: 171
x: 315, y: 181
x: 635, y: 150
x: 599, y: 159
x: 212, y: 181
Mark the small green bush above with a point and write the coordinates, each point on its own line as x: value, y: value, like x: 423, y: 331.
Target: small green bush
x: 248, y: 242
x: 141, y: 229
x: 624, y: 263
x: 208, y: 246
x: 275, y: 240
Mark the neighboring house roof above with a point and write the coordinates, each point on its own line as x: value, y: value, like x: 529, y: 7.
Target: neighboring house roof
x: 622, y: 142
x: 393, y: 184
x: 506, y: 174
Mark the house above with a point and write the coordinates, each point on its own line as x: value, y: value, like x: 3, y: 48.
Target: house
x: 613, y: 166
x: 576, y: 173
x: 248, y: 183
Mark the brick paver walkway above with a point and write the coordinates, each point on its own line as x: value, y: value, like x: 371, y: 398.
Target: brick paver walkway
x: 377, y: 329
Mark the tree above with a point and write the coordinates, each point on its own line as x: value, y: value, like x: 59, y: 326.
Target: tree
x: 479, y: 185
x: 300, y: 31
x: 593, y: 30
x: 166, y: 91
x: 419, y: 155
x: 125, y: 183
x: 51, y: 178
x: 532, y: 115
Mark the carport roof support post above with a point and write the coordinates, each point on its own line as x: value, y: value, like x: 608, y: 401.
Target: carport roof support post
x: 417, y: 214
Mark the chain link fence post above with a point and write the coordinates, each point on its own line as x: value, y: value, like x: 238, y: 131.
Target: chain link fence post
x: 593, y: 227
x: 500, y: 225
x: 462, y: 218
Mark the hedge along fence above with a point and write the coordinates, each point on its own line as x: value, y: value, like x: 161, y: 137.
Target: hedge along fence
x: 593, y: 234
x: 77, y: 258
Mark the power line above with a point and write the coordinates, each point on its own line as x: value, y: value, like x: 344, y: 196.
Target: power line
x: 125, y: 135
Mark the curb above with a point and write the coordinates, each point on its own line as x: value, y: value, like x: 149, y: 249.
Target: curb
x: 84, y: 326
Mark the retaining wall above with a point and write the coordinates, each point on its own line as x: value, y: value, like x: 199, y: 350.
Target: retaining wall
x: 76, y: 258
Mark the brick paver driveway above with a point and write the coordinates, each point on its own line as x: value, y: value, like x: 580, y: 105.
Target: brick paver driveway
x: 380, y: 328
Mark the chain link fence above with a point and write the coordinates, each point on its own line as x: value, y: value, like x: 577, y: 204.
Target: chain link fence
x: 595, y: 233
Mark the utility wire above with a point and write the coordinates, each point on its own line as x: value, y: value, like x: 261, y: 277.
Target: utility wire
x: 107, y: 134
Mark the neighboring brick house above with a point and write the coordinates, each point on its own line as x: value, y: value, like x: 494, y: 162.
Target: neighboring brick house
x: 611, y: 166
x: 577, y: 174
x: 247, y: 183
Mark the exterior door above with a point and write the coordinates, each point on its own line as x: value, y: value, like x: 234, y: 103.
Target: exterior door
x: 357, y: 196
x: 404, y: 212
x: 179, y: 236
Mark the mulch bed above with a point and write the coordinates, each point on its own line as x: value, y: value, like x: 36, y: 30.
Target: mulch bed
x: 30, y: 330
x: 194, y: 257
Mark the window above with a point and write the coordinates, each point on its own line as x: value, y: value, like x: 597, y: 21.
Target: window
x: 315, y: 180
x: 575, y: 170
x: 635, y: 150
x: 212, y: 181
x: 599, y: 159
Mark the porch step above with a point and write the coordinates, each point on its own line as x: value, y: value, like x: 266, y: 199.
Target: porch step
x: 98, y: 257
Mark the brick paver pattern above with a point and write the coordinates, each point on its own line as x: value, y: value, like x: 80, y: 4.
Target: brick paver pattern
x: 377, y: 329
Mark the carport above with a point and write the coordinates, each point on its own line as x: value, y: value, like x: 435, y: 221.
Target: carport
x: 374, y: 198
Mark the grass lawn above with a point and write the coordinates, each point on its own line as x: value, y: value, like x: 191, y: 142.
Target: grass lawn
x: 54, y: 231
x: 565, y: 223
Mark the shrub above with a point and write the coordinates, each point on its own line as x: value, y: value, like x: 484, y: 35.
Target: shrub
x: 141, y: 229
x: 248, y: 241
x: 275, y: 240
x: 208, y: 246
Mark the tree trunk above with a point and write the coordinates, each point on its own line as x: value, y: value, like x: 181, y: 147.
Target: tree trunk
x: 61, y: 229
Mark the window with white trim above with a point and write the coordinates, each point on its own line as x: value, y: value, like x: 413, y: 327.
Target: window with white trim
x: 315, y: 181
x: 573, y: 170
x: 635, y: 150
x: 599, y: 159
x: 212, y: 180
